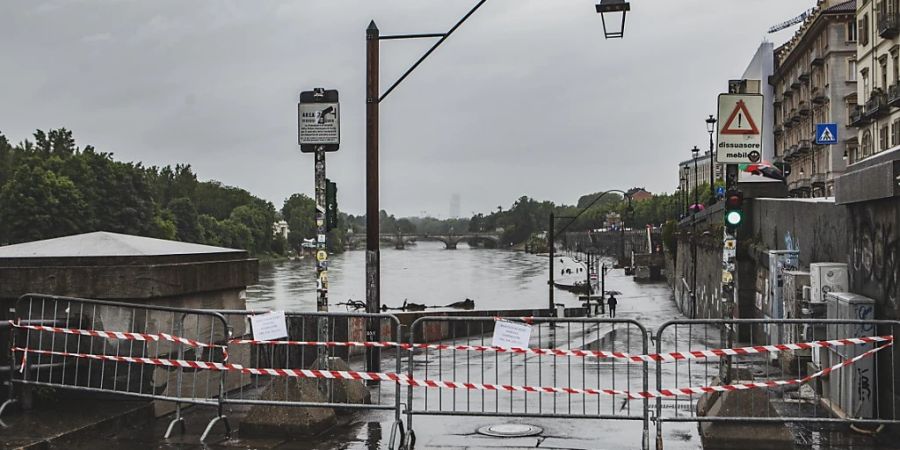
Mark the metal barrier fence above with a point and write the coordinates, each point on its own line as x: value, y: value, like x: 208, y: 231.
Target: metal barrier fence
x: 285, y: 372
x: 118, y: 348
x: 531, y: 382
x: 798, y: 379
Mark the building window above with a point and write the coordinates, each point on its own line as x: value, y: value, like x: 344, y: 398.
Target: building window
x: 895, y: 133
x: 851, y: 69
x: 866, y: 144
x: 864, y: 29
x: 851, y: 31
x: 884, y: 75
x: 883, y: 138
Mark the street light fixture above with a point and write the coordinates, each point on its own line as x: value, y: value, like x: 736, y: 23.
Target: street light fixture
x: 613, y: 8
x: 710, y: 128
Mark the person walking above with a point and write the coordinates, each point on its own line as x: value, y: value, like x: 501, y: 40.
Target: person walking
x: 612, y: 302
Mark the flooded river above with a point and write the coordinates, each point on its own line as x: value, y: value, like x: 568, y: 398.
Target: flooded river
x: 425, y: 273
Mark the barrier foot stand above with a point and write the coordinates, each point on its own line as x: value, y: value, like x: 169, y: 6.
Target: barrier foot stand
x: 7, y: 404
x: 212, y: 423
x: 410, y: 441
x: 659, y: 442
x: 397, y: 426
x: 177, y: 420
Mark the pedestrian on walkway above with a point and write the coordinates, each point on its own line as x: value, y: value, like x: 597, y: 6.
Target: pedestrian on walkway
x: 612, y: 302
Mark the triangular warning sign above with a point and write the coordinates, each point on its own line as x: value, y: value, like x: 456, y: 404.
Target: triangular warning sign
x: 740, y: 122
x: 826, y: 136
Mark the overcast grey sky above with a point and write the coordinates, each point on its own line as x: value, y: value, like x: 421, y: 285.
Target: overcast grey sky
x: 526, y: 98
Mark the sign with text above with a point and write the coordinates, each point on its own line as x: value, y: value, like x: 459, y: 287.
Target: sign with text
x: 319, y: 121
x: 269, y: 326
x: 511, y: 334
x: 740, y: 128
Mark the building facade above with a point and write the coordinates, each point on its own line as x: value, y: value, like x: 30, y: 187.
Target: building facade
x: 815, y: 82
x: 686, y: 174
x: 761, y: 67
x: 877, y: 118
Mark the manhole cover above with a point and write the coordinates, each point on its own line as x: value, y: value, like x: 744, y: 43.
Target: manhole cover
x: 510, y: 430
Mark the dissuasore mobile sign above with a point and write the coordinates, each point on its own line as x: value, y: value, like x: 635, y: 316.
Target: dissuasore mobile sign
x: 740, y: 128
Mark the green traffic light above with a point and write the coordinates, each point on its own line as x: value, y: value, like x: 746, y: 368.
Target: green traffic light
x: 733, y: 218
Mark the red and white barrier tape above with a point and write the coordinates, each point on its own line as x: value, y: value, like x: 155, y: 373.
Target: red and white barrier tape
x: 441, y: 384
x: 125, y: 335
x: 653, y: 357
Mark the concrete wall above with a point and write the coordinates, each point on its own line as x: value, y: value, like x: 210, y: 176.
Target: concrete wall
x: 816, y: 226
x: 874, y: 257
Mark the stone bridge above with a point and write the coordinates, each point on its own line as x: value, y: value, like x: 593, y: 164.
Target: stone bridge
x: 450, y: 240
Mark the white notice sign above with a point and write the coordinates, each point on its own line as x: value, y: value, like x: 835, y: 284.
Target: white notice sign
x: 740, y: 128
x: 319, y: 124
x: 269, y: 326
x: 511, y: 334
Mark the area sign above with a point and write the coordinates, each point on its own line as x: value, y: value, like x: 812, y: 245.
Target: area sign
x: 740, y: 128
x: 826, y: 133
x: 319, y: 121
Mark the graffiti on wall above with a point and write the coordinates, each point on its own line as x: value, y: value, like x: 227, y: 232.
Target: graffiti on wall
x: 875, y: 254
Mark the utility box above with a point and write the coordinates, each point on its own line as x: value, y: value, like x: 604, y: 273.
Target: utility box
x: 773, y: 307
x: 850, y: 390
x: 795, y: 282
x: 825, y: 277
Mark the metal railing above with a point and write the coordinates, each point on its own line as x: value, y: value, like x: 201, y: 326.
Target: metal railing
x: 278, y: 373
x: 839, y: 382
x: 463, y: 375
x: 126, y: 349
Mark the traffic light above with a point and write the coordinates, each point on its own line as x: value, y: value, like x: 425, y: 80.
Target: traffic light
x: 734, y: 209
x: 331, y: 214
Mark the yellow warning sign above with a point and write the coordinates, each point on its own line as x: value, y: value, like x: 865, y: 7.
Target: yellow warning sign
x: 321, y: 255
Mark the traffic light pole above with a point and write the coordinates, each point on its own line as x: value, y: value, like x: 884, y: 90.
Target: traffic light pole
x: 321, y: 255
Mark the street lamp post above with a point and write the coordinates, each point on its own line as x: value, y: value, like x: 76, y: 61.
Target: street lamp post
x: 552, y: 233
x: 711, y: 127
x: 694, y: 152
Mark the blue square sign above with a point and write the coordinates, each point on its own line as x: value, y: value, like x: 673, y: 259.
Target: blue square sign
x: 826, y: 133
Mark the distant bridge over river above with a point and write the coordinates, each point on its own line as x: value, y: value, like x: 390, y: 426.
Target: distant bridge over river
x: 450, y: 240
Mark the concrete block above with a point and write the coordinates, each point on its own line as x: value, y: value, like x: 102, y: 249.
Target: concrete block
x: 269, y: 421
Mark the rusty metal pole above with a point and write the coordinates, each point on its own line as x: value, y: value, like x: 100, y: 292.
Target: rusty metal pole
x: 373, y: 263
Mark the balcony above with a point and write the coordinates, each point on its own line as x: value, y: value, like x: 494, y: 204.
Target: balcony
x: 877, y: 105
x: 857, y: 118
x: 803, y: 147
x: 795, y: 84
x: 795, y: 115
x: 804, y: 77
x: 818, y: 61
x: 777, y: 102
x: 818, y: 96
x: 894, y: 94
x: 778, y: 129
x: 888, y: 26
x: 803, y: 108
x: 790, y: 153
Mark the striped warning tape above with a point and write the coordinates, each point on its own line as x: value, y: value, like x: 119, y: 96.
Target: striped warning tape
x: 653, y: 357
x: 442, y: 384
x: 124, y: 335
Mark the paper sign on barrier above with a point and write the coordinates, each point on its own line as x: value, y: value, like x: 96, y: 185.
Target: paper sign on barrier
x: 269, y: 326
x: 511, y: 334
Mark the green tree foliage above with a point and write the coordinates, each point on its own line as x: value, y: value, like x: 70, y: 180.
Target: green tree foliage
x: 39, y: 204
x: 299, y: 211
x: 187, y: 222
x: 49, y: 187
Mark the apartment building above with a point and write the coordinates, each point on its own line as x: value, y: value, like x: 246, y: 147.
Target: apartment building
x: 815, y: 82
x: 877, y: 117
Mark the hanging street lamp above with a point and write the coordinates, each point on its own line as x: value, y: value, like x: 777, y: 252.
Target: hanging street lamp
x: 613, y: 8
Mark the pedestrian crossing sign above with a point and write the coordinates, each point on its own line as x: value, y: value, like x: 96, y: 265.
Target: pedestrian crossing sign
x: 826, y: 133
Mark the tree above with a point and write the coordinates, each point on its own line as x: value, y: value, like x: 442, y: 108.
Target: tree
x: 259, y: 222
x: 39, y: 204
x: 186, y: 219
x: 300, y: 213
